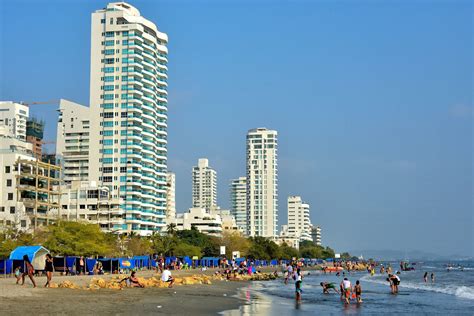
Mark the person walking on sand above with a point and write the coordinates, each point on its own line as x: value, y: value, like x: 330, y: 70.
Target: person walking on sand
x: 425, y: 277
x: 30, y: 271
x: 48, y: 268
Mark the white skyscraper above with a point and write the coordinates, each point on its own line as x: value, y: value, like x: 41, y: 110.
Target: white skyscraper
x: 73, y: 141
x: 204, y: 185
x: 128, y: 101
x: 13, y: 117
x: 262, y: 192
x: 238, y: 202
x: 299, y: 223
x: 170, y: 197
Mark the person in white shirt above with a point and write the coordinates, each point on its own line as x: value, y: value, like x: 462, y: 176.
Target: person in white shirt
x: 346, y: 284
x: 166, y: 276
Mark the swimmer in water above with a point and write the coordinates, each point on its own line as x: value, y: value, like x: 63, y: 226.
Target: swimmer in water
x: 298, y: 290
x: 326, y: 286
x: 432, y: 277
x: 425, y: 277
x: 347, y: 290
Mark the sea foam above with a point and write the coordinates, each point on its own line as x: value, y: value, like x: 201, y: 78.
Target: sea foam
x: 466, y: 292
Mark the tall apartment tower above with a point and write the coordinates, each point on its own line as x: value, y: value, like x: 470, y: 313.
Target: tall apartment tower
x: 128, y: 102
x: 204, y: 185
x: 73, y: 141
x: 299, y: 223
x: 238, y: 202
x: 13, y: 117
x: 316, y: 235
x: 170, y: 197
x: 262, y: 192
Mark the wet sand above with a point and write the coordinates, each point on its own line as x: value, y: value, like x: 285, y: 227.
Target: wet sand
x: 179, y: 300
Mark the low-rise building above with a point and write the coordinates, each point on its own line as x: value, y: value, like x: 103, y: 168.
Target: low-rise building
x: 199, y: 218
x: 228, y: 220
x: 86, y: 201
x: 287, y: 238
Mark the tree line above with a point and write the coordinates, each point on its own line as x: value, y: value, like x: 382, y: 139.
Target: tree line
x: 84, y: 239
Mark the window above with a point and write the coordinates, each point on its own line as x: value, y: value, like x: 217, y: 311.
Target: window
x: 2, y: 208
x: 12, y: 210
x: 109, y: 34
x: 82, y: 206
x: 10, y: 196
x: 7, y: 169
x: 102, y: 21
x: 9, y: 182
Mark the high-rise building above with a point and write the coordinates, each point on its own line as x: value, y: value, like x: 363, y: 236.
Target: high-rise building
x: 238, y: 202
x: 299, y: 223
x: 262, y: 192
x: 73, y: 141
x: 316, y: 235
x: 204, y: 185
x: 170, y: 197
x: 128, y: 103
x: 13, y: 117
x: 34, y: 135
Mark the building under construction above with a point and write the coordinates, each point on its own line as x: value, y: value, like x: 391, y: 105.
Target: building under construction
x: 38, y: 188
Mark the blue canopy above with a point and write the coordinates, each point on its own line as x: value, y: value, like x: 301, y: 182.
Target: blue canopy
x: 36, y: 254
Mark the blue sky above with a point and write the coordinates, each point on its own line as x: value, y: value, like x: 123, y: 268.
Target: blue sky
x: 372, y: 102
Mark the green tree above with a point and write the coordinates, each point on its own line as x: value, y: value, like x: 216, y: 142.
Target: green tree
x: 287, y: 252
x: 75, y: 238
x: 234, y: 241
x: 263, y: 248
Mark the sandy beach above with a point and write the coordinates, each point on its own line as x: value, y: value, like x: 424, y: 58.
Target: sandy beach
x: 180, y: 300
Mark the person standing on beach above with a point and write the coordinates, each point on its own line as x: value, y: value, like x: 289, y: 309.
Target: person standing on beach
x: 81, y: 266
x: 48, y: 268
x: 30, y: 271
x: 425, y: 277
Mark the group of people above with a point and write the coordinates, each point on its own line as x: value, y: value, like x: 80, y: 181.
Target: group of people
x: 346, y: 290
x: 425, y: 277
x: 133, y: 281
x: 28, y: 270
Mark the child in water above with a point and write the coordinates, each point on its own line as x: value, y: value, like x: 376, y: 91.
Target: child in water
x: 358, y: 291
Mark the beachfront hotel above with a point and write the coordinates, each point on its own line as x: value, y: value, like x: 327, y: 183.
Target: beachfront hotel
x: 262, y: 192
x: 204, y: 185
x: 299, y: 223
x: 13, y: 117
x: 238, y: 202
x: 128, y: 119
x: 73, y: 141
x: 170, y: 197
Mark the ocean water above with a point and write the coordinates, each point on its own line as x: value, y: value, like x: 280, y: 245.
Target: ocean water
x: 452, y: 293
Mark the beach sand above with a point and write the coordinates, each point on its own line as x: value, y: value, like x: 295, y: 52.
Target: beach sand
x: 179, y: 300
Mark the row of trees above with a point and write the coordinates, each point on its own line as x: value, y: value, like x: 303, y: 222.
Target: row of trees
x: 82, y: 239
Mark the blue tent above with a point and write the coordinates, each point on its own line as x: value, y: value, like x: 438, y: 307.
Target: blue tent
x: 6, y: 266
x: 36, y: 254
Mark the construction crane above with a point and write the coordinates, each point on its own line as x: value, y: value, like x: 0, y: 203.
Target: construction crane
x: 41, y: 102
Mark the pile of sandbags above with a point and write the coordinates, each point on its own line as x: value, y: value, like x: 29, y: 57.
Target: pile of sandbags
x: 68, y: 285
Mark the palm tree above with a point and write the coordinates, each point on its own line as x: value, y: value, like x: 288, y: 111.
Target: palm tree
x: 171, y: 229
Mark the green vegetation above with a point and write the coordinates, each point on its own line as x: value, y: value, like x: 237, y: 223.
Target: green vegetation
x: 82, y: 239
